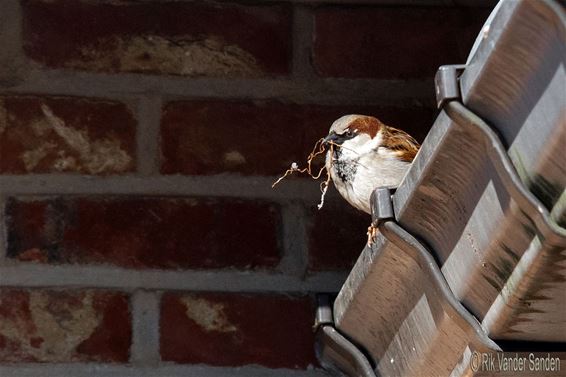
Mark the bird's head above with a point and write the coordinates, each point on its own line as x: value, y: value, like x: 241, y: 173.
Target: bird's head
x: 360, y: 133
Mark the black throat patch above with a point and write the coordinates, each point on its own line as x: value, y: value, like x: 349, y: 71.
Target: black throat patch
x: 345, y: 170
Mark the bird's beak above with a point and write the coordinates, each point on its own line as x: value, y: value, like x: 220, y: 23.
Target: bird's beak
x: 334, y: 138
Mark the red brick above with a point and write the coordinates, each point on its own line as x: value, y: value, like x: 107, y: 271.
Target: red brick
x: 261, y: 138
x: 65, y: 134
x: 236, y: 329
x: 64, y: 326
x: 182, y: 38
x: 169, y: 233
x: 337, y: 235
x: 393, y: 43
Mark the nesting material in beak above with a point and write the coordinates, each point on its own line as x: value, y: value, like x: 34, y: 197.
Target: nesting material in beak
x: 319, y: 148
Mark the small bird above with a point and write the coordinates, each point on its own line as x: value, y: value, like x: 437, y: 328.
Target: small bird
x: 367, y: 154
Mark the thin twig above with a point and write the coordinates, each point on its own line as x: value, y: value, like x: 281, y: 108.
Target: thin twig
x: 318, y: 149
x: 324, y: 185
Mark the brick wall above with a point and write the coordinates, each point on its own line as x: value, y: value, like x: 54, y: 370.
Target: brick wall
x: 139, y: 232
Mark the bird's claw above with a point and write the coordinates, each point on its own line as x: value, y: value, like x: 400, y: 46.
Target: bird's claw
x: 372, y: 233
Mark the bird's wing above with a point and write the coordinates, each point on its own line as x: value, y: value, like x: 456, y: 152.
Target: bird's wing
x: 401, y: 143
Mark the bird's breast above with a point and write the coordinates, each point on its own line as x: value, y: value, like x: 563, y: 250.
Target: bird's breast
x: 356, y: 178
x: 343, y: 169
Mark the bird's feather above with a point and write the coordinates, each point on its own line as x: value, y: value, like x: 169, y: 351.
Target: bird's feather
x: 400, y: 142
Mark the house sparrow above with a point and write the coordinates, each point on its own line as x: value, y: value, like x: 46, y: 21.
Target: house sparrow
x: 367, y: 154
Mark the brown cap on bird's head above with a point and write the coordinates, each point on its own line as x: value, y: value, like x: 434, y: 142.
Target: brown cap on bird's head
x: 366, y: 124
x: 356, y: 122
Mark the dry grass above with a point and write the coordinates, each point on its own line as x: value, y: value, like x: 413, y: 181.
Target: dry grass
x: 318, y: 149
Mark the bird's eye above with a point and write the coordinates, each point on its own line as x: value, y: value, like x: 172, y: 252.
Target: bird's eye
x: 349, y: 133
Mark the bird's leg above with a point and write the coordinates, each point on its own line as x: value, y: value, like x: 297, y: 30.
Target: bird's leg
x: 372, y: 233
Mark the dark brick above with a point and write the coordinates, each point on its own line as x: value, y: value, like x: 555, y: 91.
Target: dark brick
x: 261, y: 138
x: 132, y: 232
x: 236, y: 329
x: 41, y: 134
x: 393, y: 43
x: 166, y: 37
x: 64, y: 326
x: 28, y: 231
x: 337, y: 235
